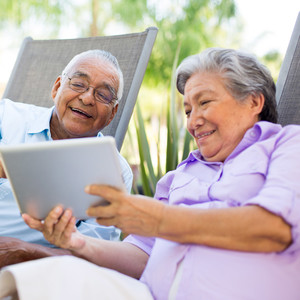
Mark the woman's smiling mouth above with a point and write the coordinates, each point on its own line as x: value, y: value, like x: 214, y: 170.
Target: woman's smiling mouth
x: 203, y: 135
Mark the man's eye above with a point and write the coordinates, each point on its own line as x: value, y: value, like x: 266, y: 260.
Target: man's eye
x: 103, y: 96
x: 78, y: 85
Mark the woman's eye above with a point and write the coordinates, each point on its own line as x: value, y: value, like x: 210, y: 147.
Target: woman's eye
x: 187, y: 113
x: 204, y: 102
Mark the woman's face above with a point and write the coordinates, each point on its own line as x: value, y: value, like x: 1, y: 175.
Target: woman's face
x: 215, y: 119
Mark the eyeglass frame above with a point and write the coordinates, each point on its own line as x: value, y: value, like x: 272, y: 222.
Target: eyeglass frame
x: 114, y: 100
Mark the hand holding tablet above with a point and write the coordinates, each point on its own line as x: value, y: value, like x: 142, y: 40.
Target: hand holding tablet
x: 45, y: 174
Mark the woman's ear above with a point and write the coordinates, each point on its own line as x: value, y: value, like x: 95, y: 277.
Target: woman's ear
x: 257, y: 103
x: 55, y: 87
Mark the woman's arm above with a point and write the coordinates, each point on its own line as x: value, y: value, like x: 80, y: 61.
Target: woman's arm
x: 247, y: 228
x: 59, y: 229
x: 121, y: 256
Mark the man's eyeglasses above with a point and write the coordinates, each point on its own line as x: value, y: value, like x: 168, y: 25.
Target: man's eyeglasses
x: 102, y: 94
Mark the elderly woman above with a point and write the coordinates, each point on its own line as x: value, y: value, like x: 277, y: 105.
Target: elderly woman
x: 225, y: 223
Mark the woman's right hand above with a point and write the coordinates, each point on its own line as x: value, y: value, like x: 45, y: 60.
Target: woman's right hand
x: 58, y: 228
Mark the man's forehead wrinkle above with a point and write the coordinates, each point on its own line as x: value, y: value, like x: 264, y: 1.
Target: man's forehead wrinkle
x: 81, y: 74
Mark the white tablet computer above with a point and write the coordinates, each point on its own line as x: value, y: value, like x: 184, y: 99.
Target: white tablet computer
x: 45, y: 174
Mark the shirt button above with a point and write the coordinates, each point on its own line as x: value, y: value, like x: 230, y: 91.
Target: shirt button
x: 253, y: 134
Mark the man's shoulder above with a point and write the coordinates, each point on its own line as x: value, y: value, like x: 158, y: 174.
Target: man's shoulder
x: 19, y: 107
x: 17, y: 119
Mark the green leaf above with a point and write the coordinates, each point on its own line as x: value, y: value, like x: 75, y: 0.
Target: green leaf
x: 144, y: 150
x: 172, y: 139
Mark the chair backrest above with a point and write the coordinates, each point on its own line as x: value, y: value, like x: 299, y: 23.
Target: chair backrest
x: 40, y: 62
x: 288, y: 83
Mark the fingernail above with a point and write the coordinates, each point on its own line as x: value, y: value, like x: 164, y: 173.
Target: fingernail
x: 57, y: 209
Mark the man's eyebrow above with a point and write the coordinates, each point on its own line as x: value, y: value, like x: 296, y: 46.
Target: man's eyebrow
x: 81, y: 74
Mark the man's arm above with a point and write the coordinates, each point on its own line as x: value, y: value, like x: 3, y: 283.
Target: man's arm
x: 13, y: 251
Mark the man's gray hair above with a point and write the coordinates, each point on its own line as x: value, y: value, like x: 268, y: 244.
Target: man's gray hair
x: 242, y: 73
x: 104, y: 56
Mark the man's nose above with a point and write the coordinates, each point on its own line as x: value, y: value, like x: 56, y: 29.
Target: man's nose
x: 87, y: 97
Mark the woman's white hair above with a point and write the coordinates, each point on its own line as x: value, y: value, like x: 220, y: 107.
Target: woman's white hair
x: 243, y: 75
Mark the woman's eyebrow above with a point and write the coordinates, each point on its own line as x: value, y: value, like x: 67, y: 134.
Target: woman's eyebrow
x: 203, y: 93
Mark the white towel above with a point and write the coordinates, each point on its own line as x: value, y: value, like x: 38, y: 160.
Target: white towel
x: 68, y: 277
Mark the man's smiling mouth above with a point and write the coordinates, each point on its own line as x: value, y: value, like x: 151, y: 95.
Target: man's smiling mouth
x: 81, y: 112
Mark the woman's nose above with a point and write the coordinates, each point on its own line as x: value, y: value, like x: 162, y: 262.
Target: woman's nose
x: 195, y: 120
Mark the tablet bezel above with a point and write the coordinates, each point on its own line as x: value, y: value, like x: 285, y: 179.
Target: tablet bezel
x: 45, y: 174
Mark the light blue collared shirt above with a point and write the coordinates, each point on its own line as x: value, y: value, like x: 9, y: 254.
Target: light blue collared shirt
x: 24, y: 123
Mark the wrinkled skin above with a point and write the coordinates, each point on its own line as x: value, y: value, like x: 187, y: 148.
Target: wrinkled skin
x: 13, y: 251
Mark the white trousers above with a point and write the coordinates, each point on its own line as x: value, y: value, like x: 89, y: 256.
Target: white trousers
x: 68, y: 277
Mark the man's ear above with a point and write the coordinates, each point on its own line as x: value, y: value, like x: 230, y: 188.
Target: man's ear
x: 113, y: 113
x: 55, y: 87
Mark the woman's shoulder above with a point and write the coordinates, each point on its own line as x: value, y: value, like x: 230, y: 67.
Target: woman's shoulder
x: 271, y: 130
x: 289, y: 132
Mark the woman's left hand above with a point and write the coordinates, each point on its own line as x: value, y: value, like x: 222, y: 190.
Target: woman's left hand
x: 131, y: 213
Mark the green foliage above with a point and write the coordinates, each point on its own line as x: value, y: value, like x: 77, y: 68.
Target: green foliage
x: 17, y: 11
x: 192, y: 24
x: 148, y: 177
x: 273, y: 60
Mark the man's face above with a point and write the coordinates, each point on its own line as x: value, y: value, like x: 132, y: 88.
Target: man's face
x: 79, y: 114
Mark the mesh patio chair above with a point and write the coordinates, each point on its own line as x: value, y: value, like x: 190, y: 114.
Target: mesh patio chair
x: 39, y: 62
x: 288, y: 83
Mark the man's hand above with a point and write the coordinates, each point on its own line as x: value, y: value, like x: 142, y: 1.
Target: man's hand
x: 14, y: 251
x: 2, y: 173
x: 58, y: 228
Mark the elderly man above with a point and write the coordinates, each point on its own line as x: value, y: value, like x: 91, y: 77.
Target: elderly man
x: 85, y: 101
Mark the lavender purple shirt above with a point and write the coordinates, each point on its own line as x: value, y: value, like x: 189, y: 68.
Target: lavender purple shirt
x: 264, y: 169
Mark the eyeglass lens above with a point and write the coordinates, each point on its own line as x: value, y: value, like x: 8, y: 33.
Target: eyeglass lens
x: 101, y: 94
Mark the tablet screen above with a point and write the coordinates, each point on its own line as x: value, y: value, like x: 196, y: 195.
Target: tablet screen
x: 45, y: 174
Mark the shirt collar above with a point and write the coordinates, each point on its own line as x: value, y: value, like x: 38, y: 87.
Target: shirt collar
x: 42, y: 122
x: 196, y: 155
x: 260, y: 131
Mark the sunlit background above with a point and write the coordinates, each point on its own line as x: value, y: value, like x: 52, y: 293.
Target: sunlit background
x: 262, y: 27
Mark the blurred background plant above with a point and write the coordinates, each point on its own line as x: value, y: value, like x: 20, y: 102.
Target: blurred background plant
x: 176, y: 141
x: 156, y: 139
